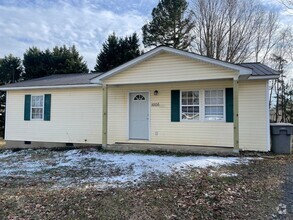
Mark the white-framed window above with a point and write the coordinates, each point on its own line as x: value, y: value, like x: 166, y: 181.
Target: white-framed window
x: 214, y: 105
x: 189, y: 105
x: 37, y: 107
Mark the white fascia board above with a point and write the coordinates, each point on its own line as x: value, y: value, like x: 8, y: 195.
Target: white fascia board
x: 174, y: 81
x: 240, y: 69
x: 268, y: 77
x: 50, y: 87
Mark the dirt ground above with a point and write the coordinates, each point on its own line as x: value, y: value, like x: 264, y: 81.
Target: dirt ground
x: 2, y: 143
x: 253, y: 190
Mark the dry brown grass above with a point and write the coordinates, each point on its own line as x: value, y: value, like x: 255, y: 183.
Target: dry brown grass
x: 201, y: 194
x: 2, y: 143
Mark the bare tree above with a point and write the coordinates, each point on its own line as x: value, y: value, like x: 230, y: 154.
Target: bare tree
x: 233, y: 30
x: 278, y: 87
x: 288, y: 3
x: 284, y: 45
x: 281, y: 89
x: 266, y: 33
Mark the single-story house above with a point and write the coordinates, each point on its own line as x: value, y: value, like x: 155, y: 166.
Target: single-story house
x: 163, y: 97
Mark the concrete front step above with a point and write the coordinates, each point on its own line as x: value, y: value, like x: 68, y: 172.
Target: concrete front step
x: 202, y: 150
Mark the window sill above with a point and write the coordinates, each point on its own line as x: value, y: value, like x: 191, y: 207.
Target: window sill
x: 197, y: 121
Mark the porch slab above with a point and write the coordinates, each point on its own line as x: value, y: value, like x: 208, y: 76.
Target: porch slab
x: 184, y: 149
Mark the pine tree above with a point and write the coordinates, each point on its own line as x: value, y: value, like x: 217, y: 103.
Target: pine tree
x: 67, y: 60
x: 61, y: 60
x: 11, y: 69
x: 170, y: 26
x: 116, y: 51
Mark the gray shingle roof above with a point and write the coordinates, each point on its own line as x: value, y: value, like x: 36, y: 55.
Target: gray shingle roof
x: 56, y: 80
x: 259, y: 69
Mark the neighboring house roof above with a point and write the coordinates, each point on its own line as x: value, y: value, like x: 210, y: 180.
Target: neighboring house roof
x: 250, y: 71
x: 55, y: 81
x: 260, y: 70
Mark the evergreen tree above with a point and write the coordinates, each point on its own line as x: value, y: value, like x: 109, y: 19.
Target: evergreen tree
x: 11, y: 69
x: 129, y: 47
x: 170, y: 26
x: 117, y: 51
x: 61, y: 60
x: 67, y: 60
x: 37, y: 63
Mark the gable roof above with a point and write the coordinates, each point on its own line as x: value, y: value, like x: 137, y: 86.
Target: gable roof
x: 54, y: 81
x: 251, y: 70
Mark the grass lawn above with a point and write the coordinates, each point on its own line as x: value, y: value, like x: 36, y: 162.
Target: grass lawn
x: 94, y: 185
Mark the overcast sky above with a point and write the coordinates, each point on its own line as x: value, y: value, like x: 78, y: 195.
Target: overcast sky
x: 85, y: 23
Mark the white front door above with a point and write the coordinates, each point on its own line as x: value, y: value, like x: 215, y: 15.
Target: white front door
x: 139, y: 115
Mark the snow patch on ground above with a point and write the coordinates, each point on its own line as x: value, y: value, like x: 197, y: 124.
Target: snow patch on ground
x: 203, y: 162
x: 228, y: 174
x: 76, y: 167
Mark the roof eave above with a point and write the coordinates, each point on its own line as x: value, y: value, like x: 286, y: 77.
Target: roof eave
x: 49, y: 87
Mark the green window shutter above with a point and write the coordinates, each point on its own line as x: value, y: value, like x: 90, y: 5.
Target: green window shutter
x: 27, y: 107
x: 47, y: 110
x: 175, y: 105
x: 229, y: 104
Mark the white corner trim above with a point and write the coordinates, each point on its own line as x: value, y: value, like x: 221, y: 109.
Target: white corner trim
x: 6, y: 116
x: 264, y: 77
x: 240, y: 69
x: 268, y: 147
x: 50, y: 87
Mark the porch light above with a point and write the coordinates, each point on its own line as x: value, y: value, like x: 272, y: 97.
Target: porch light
x: 156, y: 92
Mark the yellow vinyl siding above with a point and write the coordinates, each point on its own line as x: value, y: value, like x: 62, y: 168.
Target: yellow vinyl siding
x: 162, y: 130
x: 76, y: 117
x: 253, y: 120
x: 166, y: 67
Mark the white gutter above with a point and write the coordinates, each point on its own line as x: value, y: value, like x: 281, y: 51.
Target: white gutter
x: 50, y: 87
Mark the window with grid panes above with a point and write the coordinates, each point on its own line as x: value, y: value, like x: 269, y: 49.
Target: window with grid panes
x: 189, y: 105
